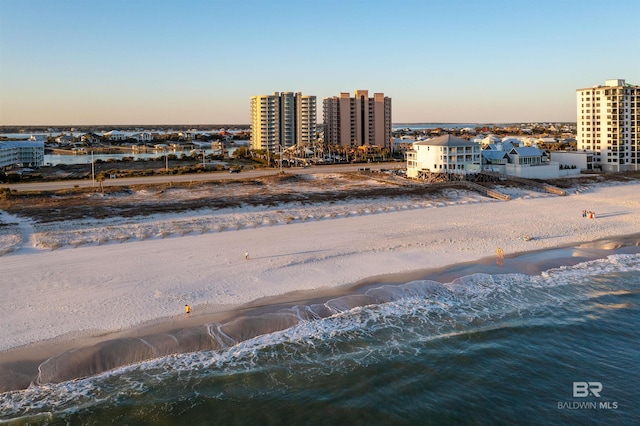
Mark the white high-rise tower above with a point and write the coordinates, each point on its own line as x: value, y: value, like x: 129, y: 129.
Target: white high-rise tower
x: 282, y: 120
x: 608, y: 124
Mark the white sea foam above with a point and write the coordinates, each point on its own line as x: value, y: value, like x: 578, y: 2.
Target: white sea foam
x: 355, y: 336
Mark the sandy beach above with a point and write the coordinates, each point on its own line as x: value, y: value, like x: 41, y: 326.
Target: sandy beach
x: 77, y: 295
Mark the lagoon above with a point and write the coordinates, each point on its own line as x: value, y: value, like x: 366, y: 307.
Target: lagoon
x: 55, y: 159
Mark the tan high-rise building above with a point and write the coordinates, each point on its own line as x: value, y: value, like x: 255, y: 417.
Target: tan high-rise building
x: 358, y: 120
x: 608, y: 125
x: 282, y: 120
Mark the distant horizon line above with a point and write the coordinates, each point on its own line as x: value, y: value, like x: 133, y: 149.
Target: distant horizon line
x: 249, y: 125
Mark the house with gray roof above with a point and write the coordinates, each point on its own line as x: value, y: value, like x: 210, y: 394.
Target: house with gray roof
x: 520, y: 161
x: 444, y: 154
x: 494, y: 160
x: 527, y: 155
x: 90, y: 138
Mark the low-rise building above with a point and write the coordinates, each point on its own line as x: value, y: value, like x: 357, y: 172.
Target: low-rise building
x: 142, y: 137
x: 580, y: 160
x: 64, y: 139
x: 38, y: 138
x: 90, y: 138
x: 546, y: 140
x: 116, y: 135
x: 21, y: 154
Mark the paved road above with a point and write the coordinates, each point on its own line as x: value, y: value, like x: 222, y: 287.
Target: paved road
x: 196, y: 177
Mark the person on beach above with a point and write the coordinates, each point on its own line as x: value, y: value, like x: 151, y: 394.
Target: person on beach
x: 187, y: 309
x: 246, y: 255
x: 500, y: 257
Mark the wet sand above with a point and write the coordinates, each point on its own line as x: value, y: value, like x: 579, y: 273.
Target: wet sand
x: 19, y: 366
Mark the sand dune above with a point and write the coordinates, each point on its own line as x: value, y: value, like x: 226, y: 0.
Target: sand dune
x: 105, y: 283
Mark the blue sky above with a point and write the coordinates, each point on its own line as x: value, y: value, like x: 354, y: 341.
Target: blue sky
x: 68, y: 62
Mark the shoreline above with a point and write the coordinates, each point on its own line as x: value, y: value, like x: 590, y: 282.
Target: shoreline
x: 21, y: 363
x: 90, y: 293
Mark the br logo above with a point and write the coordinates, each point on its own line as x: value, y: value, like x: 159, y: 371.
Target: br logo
x: 584, y: 389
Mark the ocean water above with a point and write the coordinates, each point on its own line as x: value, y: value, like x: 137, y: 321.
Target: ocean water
x: 560, y: 347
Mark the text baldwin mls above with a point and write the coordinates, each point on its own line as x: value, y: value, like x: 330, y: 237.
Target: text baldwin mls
x: 584, y: 390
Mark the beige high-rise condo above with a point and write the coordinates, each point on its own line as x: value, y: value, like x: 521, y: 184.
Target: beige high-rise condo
x: 608, y: 125
x: 358, y: 120
x: 282, y: 120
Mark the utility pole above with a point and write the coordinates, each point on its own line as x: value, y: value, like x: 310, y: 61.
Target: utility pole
x: 93, y: 172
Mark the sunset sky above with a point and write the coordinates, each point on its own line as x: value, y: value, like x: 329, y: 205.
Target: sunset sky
x: 65, y: 62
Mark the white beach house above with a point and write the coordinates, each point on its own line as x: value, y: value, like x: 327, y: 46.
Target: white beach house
x: 521, y: 161
x: 444, y: 154
x: 142, y: 137
x: 116, y: 135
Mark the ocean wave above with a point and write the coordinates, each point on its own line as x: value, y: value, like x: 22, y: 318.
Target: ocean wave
x: 339, y: 335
